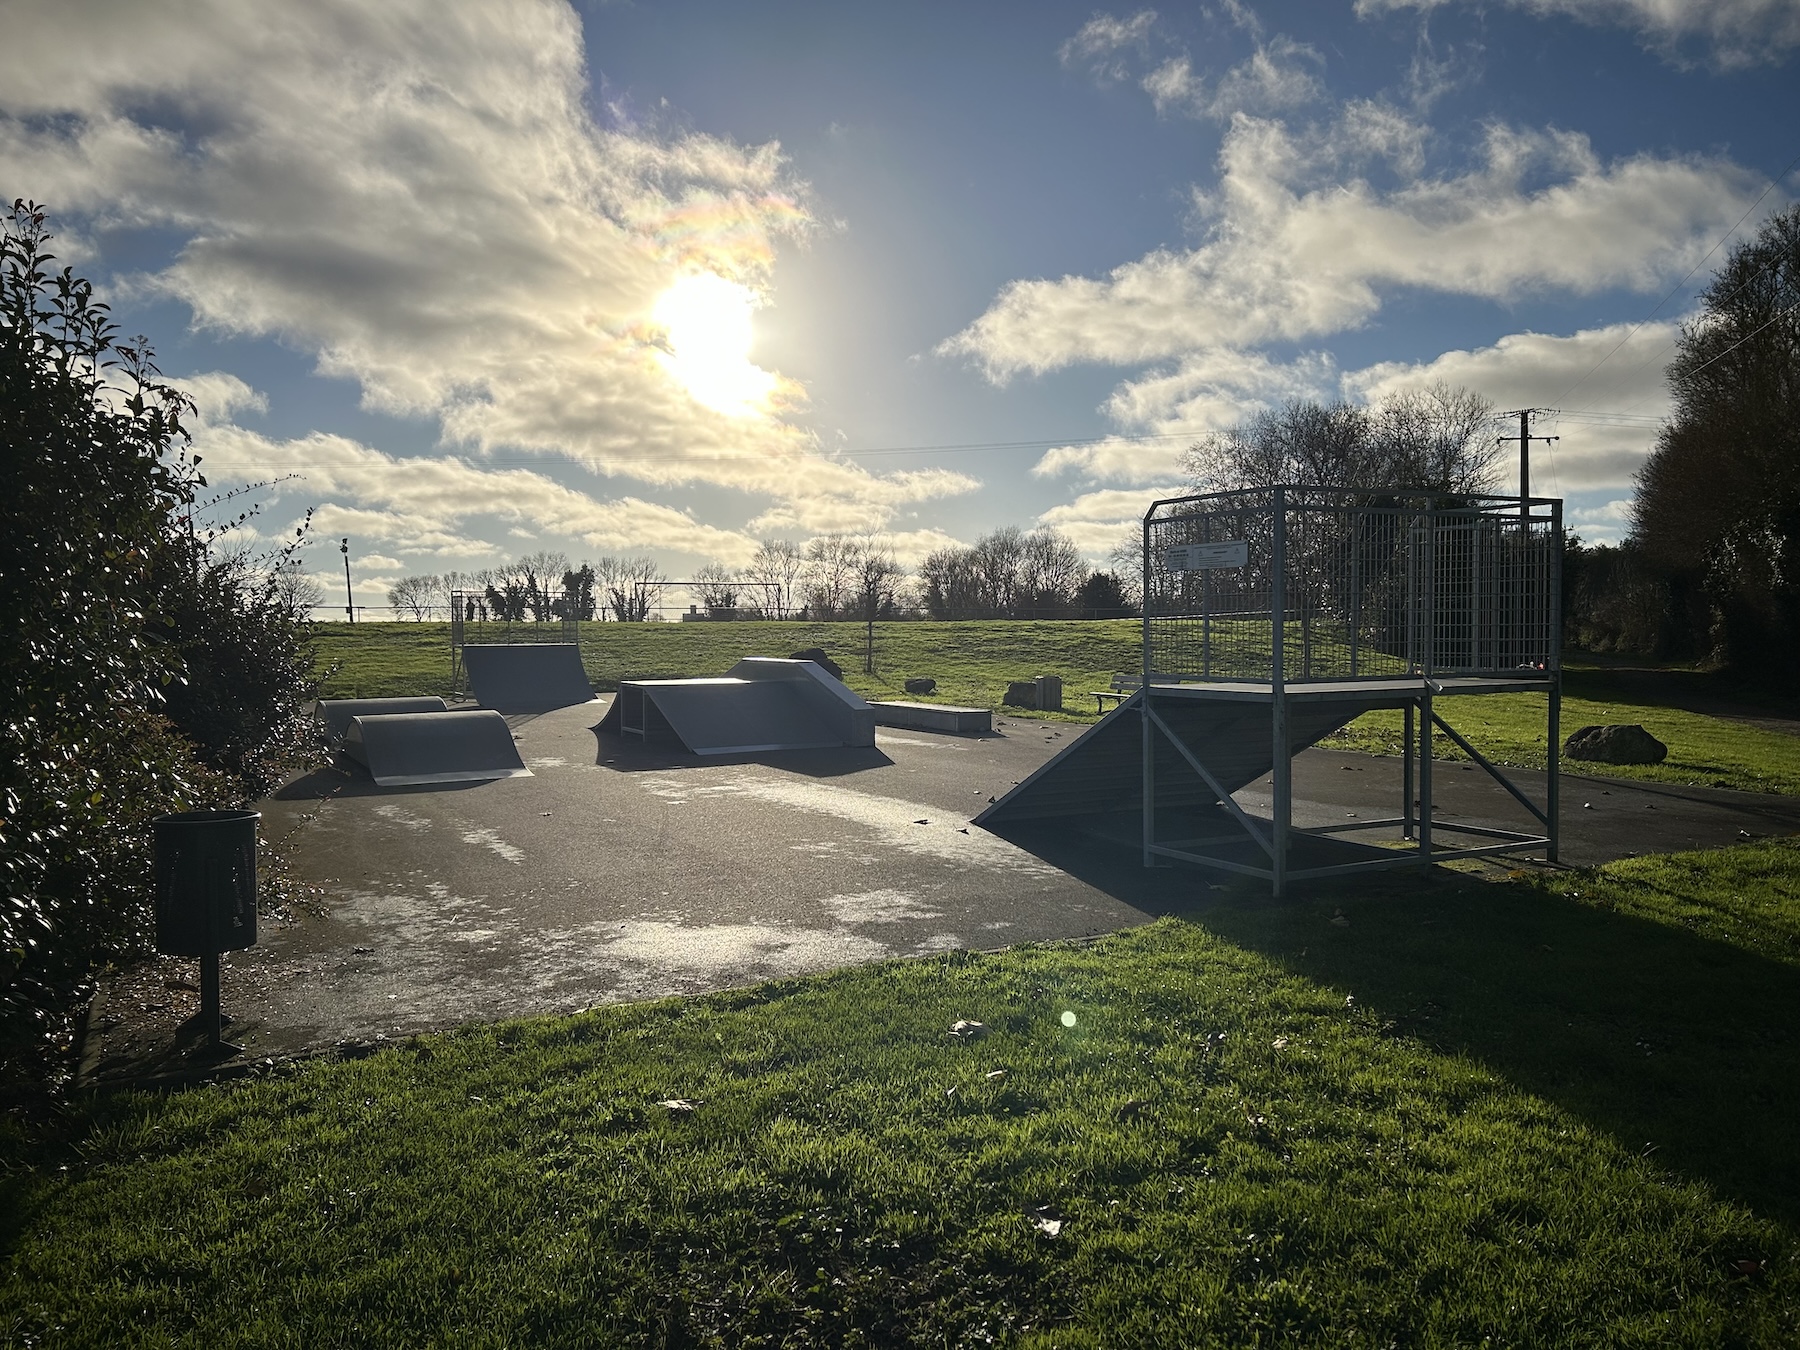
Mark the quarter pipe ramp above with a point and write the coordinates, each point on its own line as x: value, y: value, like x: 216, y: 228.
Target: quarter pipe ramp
x: 526, y: 677
x: 412, y: 748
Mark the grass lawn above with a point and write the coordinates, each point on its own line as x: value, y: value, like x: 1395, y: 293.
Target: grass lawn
x: 1555, y: 1113
x: 1509, y: 729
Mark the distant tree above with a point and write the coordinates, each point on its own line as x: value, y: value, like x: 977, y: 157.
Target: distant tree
x: 417, y: 596
x: 577, y: 599
x: 634, y: 587
x: 1104, y: 596
x: 829, y: 580
x: 718, y: 589
x: 1438, y: 438
x: 1007, y: 574
x: 1717, y: 512
x: 775, y: 571
x: 298, y: 590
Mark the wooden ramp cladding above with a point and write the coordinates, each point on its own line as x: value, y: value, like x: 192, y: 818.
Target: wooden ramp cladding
x: 1103, y: 771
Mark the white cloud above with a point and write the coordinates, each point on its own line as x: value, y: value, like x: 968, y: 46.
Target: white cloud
x: 1102, y: 39
x: 1296, y: 249
x: 219, y: 395
x: 1733, y: 33
x: 1609, y: 418
x: 428, y: 505
x: 1276, y: 77
x: 415, y: 194
x: 1099, y: 521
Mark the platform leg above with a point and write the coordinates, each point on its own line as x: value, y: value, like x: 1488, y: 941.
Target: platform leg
x: 1425, y: 778
x: 1406, y: 772
x: 1283, y: 785
x: 1553, y: 762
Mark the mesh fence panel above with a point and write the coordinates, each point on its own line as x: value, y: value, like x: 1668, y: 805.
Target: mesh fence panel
x: 1358, y: 585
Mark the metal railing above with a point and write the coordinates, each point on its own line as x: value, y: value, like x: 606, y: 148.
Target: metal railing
x: 1291, y: 584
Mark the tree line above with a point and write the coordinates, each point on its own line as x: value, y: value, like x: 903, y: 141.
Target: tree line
x: 1710, y: 568
x: 1008, y: 574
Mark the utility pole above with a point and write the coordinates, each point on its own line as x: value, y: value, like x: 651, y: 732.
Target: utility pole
x: 1525, y: 438
x: 349, y: 603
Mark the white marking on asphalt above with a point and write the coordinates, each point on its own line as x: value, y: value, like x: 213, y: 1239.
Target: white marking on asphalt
x: 883, y: 906
x: 893, y: 819
x: 489, y: 840
x: 398, y: 815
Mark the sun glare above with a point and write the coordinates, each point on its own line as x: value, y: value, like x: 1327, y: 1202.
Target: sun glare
x: 707, y: 319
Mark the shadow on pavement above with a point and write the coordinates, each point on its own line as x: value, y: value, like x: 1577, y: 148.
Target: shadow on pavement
x: 1679, y: 1046
x: 355, y: 782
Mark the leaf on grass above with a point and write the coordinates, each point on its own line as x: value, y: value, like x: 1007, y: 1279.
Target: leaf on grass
x: 1339, y: 919
x: 1281, y: 1042
x: 678, y: 1105
x: 995, y: 1073
x: 1046, y: 1220
x: 968, y: 1031
x: 1132, y: 1109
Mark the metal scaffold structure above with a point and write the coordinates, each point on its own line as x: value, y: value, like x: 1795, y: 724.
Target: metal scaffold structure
x: 1275, y: 616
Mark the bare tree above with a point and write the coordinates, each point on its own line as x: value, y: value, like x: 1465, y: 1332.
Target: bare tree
x: 719, y: 587
x: 416, y: 595
x: 830, y: 576
x: 294, y: 588
x: 634, y: 586
x: 775, y: 570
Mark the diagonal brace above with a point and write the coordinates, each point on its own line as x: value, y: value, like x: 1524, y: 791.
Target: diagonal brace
x: 1493, y: 772
x: 1243, y: 818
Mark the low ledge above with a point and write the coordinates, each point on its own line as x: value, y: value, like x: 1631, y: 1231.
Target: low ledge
x: 934, y: 717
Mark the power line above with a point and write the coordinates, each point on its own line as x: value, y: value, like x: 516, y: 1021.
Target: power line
x: 1684, y: 281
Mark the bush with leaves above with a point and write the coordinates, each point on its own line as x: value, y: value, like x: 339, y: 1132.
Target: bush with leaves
x: 141, y: 675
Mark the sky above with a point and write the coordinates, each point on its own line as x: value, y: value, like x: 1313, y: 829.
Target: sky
x: 499, y: 277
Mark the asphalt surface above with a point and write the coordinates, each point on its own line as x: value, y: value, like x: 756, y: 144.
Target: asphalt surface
x: 616, y: 873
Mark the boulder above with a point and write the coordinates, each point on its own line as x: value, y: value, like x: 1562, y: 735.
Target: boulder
x: 1616, y: 744
x: 921, y: 686
x: 817, y: 656
x: 1021, y: 694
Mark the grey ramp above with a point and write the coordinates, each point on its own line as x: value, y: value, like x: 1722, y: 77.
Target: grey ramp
x: 338, y: 713
x: 1102, y: 771
x: 519, y: 677
x: 408, y: 749
x: 763, y: 704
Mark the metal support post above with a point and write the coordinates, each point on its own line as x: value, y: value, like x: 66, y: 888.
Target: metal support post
x: 1406, y: 772
x: 1278, y: 732
x: 1425, y: 776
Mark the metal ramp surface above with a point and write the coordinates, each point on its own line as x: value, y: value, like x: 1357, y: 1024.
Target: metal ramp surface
x: 338, y: 713
x: 409, y: 749
x: 1102, y: 771
x: 526, y: 677
x: 763, y: 704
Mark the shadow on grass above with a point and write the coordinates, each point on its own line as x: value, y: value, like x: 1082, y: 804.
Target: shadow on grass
x: 1677, y: 1045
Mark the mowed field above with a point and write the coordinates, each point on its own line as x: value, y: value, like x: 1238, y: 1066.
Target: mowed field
x: 973, y: 663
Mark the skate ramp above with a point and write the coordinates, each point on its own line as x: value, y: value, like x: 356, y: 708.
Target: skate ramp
x: 338, y: 713
x: 763, y: 704
x: 1102, y: 772
x: 526, y: 677
x: 408, y: 749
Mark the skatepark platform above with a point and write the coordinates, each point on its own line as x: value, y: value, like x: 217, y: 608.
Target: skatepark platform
x: 413, y: 748
x: 526, y: 677
x: 761, y: 704
x: 338, y: 713
x: 934, y: 717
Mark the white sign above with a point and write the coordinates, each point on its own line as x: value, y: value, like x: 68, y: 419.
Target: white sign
x: 1203, y: 557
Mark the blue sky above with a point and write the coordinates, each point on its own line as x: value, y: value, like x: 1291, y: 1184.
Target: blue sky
x: 670, y: 278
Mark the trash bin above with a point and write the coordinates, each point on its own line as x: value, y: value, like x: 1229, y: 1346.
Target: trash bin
x: 206, y: 898
x: 205, y: 882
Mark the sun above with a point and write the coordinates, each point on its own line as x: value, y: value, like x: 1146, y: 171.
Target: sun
x: 707, y: 319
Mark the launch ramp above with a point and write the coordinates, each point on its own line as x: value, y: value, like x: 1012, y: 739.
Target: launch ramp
x: 1273, y: 616
x: 526, y: 677
x: 338, y: 713
x: 762, y: 704
x: 408, y: 749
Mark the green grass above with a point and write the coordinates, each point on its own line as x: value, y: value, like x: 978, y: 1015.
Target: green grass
x: 971, y: 662
x: 1509, y: 729
x: 1546, y: 1113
